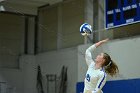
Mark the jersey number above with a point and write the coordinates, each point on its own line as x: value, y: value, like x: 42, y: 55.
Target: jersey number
x: 88, y: 77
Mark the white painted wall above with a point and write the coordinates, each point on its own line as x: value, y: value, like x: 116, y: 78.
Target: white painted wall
x: 52, y: 62
x: 125, y: 52
x: 29, y: 69
x: 24, y: 78
x: 21, y: 80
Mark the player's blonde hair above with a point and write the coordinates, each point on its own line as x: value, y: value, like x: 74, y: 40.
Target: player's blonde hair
x: 110, y: 66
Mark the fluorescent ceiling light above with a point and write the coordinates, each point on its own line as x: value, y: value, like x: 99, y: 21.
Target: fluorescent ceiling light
x: 2, y: 0
x: 2, y: 8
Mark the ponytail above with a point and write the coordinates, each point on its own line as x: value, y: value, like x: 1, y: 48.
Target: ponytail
x: 110, y: 66
x: 112, y: 69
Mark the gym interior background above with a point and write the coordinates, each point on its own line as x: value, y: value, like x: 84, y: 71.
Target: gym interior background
x: 42, y: 51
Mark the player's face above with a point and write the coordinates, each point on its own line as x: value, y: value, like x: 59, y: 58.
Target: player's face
x: 100, y: 58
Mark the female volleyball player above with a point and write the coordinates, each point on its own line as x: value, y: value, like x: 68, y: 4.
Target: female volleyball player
x: 96, y: 74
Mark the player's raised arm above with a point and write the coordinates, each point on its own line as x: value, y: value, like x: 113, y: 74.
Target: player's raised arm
x: 101, y: 42
x: 88, y: 53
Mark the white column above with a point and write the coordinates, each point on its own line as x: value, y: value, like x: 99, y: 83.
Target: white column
x: 59, y: 33
x: 89, y: 19
x: 100, y: 19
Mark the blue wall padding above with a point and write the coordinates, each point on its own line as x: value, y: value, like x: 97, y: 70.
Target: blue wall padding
x: 79, y: 87
x: 118, y: 86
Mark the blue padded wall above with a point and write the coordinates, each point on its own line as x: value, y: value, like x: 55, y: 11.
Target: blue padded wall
x: 118, y: 86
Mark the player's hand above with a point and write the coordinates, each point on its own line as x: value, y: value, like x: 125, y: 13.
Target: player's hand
x: 105, y: 40
x: 101, y: 42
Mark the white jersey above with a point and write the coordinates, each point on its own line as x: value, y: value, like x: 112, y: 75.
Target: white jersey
x: 95, y: 78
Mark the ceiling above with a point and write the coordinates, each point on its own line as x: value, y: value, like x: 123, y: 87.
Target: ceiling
x: 35, y: 3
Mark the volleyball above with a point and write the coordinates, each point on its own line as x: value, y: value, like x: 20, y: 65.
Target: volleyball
x: 85, y: 29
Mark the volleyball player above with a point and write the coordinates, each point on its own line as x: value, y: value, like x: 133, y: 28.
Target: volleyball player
x: 97, y: 70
